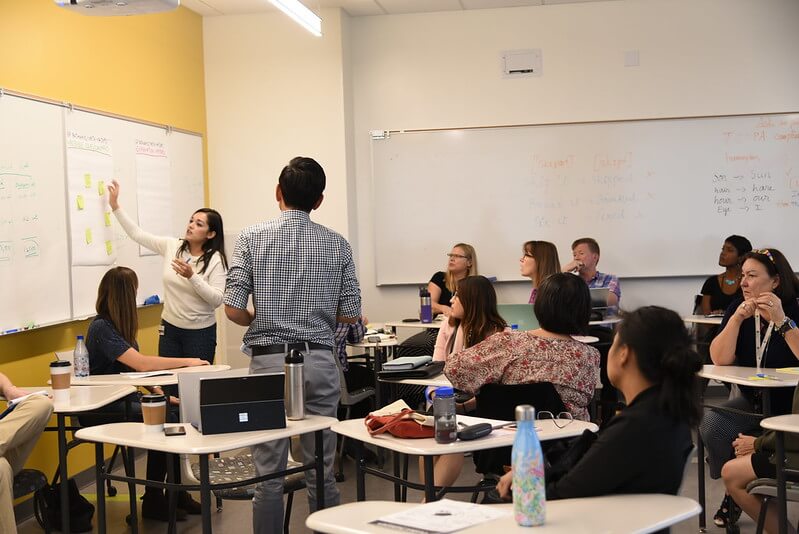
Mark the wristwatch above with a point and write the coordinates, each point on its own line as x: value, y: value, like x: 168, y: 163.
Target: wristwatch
x: 787, y: 324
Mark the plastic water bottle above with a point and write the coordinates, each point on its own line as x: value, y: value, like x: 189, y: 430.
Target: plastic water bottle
x: 446, y: 425
x: 529, y: 487
x: 81, y: 359
x: 426, y: 306
x: 514, y: 328
x: 295, y: 386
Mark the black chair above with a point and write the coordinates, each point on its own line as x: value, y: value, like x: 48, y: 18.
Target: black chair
x: 499, y: 401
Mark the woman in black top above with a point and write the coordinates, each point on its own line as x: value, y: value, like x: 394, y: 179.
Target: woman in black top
x: 720, y: 290
x: 643, y: 449
x: 112, y: 346
x: 770, y: 287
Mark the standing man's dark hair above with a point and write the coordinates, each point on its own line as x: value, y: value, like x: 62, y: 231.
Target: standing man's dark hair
x: 301, y: 183
x: 301, y: 278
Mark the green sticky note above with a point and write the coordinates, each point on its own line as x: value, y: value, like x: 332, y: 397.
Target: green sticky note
x: 87, y: 180
x: 100, y: 187
x: 107, y: 218
x: 81, y: 203
x: 88, y: 236
x: 109, y: 248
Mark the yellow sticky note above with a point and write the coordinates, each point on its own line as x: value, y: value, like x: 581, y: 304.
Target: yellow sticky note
x: 81, y: 203
x: 87, y: 180
x: 107, y: 218
x: 100, y: 187
x: 109, y: 248
x: 88, y: 236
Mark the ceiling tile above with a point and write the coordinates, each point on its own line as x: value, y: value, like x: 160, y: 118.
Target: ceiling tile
x: 357, y: 8
x: 396, y: 7
x: 199, y: 6
x: 490, y: 4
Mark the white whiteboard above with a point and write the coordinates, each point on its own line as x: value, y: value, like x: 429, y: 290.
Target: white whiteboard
x: 49, y: 288
x: 34, y: 258
x: 654, y: 193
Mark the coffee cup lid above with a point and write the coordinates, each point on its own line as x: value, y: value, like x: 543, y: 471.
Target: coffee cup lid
x: 153, y: 398
x: 60, y: 363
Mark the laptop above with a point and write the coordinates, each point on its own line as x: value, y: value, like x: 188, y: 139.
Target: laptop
x: 521, y: 315
x: 232, y: 401
x: 599, y: 298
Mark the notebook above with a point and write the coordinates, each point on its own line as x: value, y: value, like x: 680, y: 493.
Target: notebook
x: 406, y: 362
x: 521, y: 315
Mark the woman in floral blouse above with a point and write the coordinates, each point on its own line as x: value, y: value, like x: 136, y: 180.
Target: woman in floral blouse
x: 547, y: 354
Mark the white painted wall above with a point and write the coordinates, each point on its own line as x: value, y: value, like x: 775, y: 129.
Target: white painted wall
x: 273, y: 91
x: 698, y: 57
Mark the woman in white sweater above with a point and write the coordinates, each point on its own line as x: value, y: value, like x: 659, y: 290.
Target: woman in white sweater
x: 194, y: 272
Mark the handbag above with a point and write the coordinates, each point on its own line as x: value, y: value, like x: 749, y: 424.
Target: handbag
x: 405, y: 424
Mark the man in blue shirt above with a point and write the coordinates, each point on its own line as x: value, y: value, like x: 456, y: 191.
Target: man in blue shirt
x: 301, y: 276
x: 585, y: 252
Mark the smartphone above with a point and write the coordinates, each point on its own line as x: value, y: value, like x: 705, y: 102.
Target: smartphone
x: 174, y: 431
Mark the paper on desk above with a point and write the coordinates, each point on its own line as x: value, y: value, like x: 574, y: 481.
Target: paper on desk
x: 442, y: 516
x: 789, y: 370
x: 146, y: 374
x: 13, y: 402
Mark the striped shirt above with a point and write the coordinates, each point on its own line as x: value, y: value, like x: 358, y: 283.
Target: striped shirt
x: 300, y: 274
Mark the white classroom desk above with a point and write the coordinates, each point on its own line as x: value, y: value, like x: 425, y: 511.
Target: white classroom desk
x: 435, y: 381
x: 427, y: 448
x: 611, y: 514
x: 781, y: 424
x: 168, y: 379
x: 81, y: 400
x: 134, y: 435
x: 415, y: 324
x: 742, y: 376
x: 703, y: 319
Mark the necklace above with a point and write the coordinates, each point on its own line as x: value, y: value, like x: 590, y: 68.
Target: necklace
x: 729, y: 281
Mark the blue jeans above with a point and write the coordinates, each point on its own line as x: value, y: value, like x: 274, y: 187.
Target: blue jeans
x: 184, y: 343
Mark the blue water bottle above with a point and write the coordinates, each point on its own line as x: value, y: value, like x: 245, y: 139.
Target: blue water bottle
x: 529, y: 487
x: 426, y: 306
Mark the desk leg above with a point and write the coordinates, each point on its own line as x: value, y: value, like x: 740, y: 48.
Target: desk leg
x: 63, y: 472
x: 766, y: 402
x: 172, y: 499
x: 378, y: 366
x: 130, y: 471
x: 360, y: 482
x: 782, y: 505
x: 397, y: 493
x: 320, y: 469
x: 205, y: 493
x: 429, y: 482
x: 700, y: 481
x: 99, y: 468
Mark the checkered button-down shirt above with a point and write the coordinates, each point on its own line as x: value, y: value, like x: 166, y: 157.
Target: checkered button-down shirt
x: 300, y: 275
x: 610, y: 281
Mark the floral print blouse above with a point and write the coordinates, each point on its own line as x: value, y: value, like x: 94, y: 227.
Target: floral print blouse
x: 521, y: 358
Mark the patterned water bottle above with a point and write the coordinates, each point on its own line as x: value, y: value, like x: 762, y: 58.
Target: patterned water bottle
x: 81, y: 359
x: 529, y: 487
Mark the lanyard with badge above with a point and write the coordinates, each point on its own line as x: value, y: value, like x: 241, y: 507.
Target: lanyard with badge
x: 761, y: 344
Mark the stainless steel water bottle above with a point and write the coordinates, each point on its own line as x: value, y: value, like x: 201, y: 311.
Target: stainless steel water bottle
x: 295, y: 386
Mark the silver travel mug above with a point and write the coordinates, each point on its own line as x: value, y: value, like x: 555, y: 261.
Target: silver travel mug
x: 295, y: 386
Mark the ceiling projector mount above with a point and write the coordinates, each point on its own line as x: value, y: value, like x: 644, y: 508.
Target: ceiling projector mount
x: 111, y: 8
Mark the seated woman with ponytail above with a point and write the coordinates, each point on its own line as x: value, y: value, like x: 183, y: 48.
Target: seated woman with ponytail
x: 643, y: 449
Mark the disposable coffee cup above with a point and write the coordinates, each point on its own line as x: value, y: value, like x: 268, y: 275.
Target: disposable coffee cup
x: 60, y: 377
x: 153, y: 411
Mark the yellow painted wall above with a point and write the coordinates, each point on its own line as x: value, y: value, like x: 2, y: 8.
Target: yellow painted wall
x: 149, y: 67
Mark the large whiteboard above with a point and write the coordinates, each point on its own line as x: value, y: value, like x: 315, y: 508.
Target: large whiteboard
x: 52, y: 286
x: 654, y: 193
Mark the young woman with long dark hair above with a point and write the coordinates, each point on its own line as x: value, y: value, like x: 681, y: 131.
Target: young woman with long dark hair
x: 194, y: 273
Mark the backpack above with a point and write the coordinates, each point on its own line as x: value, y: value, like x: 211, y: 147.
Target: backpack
x: 81, y: 510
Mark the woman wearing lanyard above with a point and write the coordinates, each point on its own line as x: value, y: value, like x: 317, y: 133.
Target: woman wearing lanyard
x: 194, y: 280
x: 755, y: 332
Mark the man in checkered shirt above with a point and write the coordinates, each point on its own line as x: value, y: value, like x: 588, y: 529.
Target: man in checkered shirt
x: 301, y: 276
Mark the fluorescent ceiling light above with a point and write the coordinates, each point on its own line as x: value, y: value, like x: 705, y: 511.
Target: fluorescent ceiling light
x: 301, y: 14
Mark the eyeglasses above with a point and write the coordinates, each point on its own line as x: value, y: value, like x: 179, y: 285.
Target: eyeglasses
x: 561, y: 420
x: 765, y: 252
x: 460, y: 256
